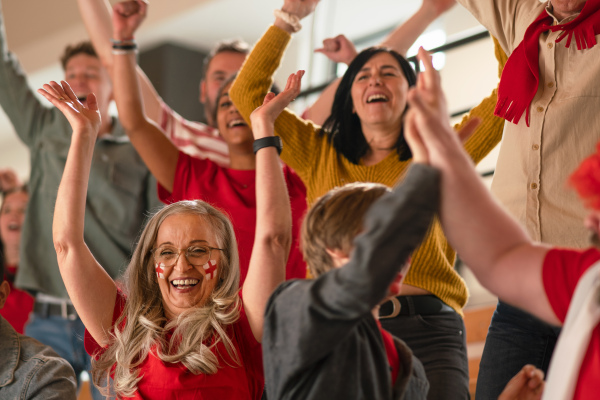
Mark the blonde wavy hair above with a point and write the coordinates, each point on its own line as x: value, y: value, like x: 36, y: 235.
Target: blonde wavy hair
x: 142, y: 327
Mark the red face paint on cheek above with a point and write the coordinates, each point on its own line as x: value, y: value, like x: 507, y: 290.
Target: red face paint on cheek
x: 160, y: 270
x: 210, y: 269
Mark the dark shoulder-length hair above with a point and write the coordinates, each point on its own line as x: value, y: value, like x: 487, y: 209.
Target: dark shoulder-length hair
x: 343, y: 127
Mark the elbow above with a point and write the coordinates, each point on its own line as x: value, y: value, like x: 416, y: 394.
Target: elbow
x: 278, y: 241
x: 62, y: 244
x: 65, y: 240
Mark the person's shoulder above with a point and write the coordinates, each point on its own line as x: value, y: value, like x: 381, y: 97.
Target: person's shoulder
x: 32, y: 348
x: 200, y: 165
x: 572, y: 261
x: 288, y: 292
x: 563, y: 268
x: 293, y: 180
x: 44, y: 368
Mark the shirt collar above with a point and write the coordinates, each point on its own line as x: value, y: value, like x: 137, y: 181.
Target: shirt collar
x: 116, y: 135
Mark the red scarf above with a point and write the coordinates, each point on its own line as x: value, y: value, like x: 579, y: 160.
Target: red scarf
x: 520, y: 77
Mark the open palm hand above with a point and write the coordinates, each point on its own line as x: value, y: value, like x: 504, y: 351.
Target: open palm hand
x: 263, y: 118
x: 82, y: 118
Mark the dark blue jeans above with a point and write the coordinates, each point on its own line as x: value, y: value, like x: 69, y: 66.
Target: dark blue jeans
x: 438, y: 341
x: 514, y: 338
x: 66, y: 338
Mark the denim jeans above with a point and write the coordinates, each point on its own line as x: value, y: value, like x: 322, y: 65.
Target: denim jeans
x: 438, y: 341
x: 65, y: 336
x: 514, y: 338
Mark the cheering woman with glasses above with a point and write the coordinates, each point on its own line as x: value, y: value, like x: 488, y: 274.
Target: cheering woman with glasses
x: 178, y: 328
x: 183, y: 177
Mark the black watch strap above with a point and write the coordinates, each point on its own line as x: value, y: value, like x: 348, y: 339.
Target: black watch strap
x: 269, y: 141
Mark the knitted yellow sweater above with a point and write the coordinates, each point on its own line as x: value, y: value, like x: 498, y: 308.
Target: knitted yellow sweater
x: 321, y: 168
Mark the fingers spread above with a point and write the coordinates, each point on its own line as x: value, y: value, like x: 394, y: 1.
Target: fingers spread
x: 69, y: 92
x: 270, y: 96
x: 414, y: 140
x: 51, y: 97
x: 431, y: 77
x: 51, y: 88
x: 92, y: 102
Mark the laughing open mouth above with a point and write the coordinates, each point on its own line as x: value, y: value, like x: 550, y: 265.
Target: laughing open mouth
x: 184, y: 283
x: 236, y: 122
x: 377, y: 98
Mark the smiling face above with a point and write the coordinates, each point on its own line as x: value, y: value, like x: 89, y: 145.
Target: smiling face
x: 222, y: 66
x: 85, y: 74
x: 230, y: 123
x: 12, y: 216
x: 185, y: 285
x: 379, y: 92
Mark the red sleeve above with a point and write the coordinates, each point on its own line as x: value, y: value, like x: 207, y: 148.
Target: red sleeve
x: 251, y: 352
x: 294, y: 182
x: 91, y: 346
x: 561, y: 272
x: 188, y: 173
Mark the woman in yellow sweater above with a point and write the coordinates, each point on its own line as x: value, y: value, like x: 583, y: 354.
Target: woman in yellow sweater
x: 363, y: 141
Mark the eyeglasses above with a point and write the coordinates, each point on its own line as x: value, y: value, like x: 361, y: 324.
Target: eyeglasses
x: 195, y: 255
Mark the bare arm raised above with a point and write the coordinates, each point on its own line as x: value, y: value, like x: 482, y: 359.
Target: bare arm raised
x: 91, y: 289
x: 96, y: 16
x: 491, y: 242
x: 157, y: 151
x: 341, y: 50
x: 273, y: 213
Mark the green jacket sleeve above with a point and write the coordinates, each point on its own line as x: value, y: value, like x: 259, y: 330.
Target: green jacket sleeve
x: 20, y: 104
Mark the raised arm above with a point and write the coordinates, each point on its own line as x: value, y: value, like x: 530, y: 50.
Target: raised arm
x: 274, y: 232
x: 301, y: 145
x: 406, y: 34
x: 27, y: 115
x: 91, y: 289
x: 341, y: 50
x: 322, y: 311
x: 489, y: 241
x: 157, y: 151
x: 96, y: 16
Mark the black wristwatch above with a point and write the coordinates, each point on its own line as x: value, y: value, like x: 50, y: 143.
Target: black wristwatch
x: 268, y: 141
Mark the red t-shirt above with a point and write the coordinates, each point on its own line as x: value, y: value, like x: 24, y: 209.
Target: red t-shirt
x: 18, y: 305
x: 390, y: 351
x: 561, y: 273
x: 174, y: 381
x: 234, y: 192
